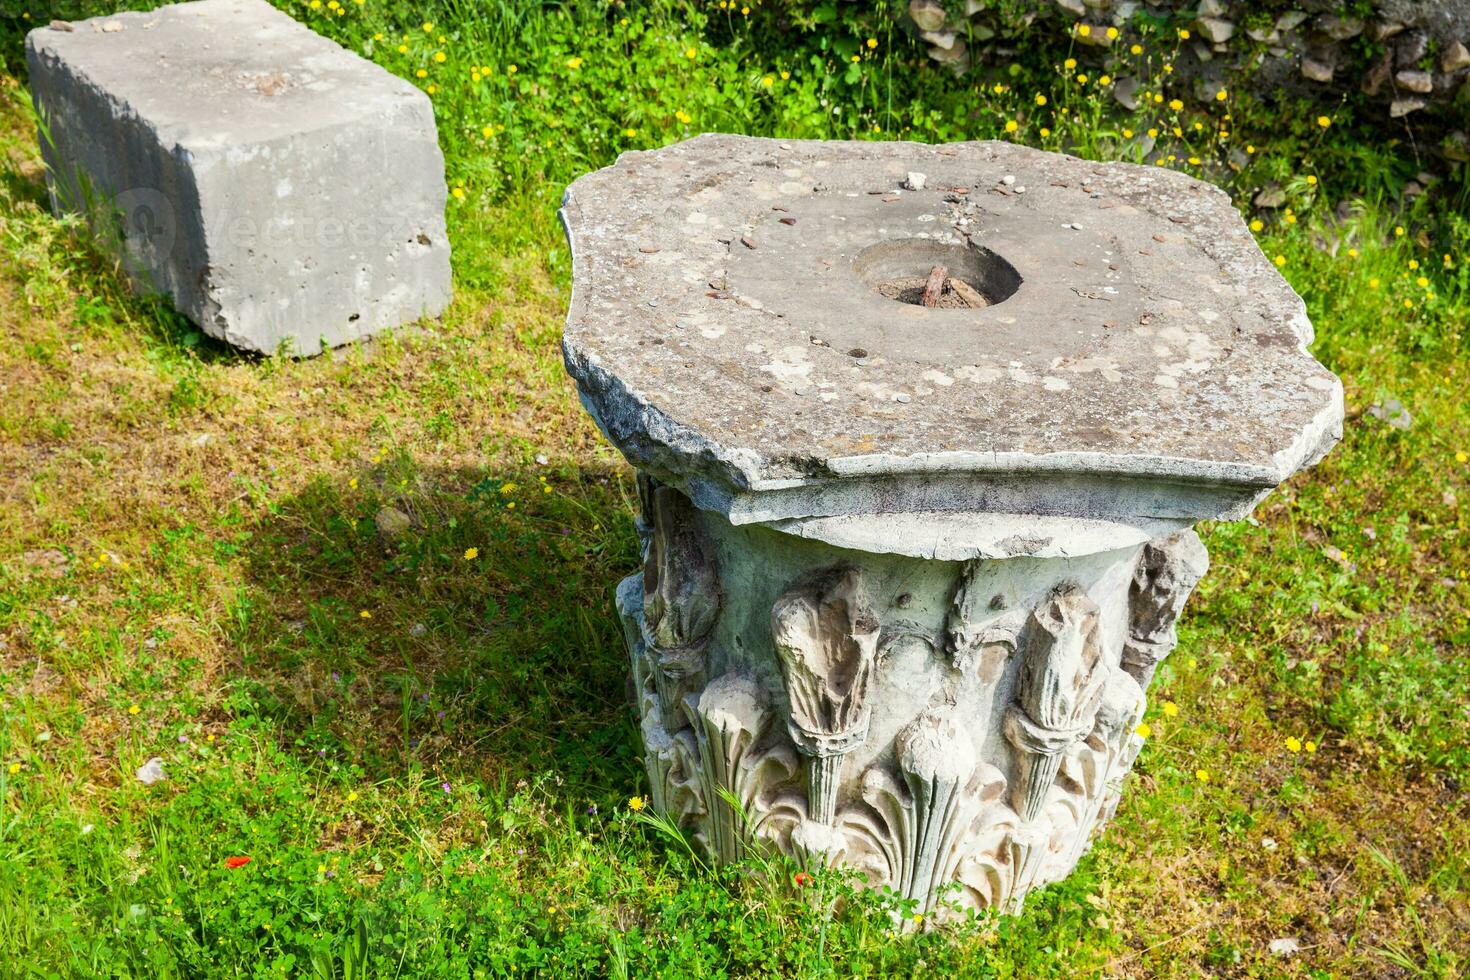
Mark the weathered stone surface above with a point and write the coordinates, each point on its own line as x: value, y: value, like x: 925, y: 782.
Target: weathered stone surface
x: 1215, y: 30
x: 1316, y: 71
x: 724, y: 335
x: 1339, y: 28
x: 282, y: 190
x: 1415, y: 81
x: 929, y: 558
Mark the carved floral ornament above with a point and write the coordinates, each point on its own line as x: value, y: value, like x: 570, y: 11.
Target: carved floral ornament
x: 948, y: 807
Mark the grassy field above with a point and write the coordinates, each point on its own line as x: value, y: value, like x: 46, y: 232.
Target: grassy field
x: 416, y: 730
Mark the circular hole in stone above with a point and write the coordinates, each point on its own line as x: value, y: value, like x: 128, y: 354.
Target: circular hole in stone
x: 975, y: 276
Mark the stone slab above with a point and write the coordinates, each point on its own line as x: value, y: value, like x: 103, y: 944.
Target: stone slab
x: 283, y: 191
x: 1150, y: 366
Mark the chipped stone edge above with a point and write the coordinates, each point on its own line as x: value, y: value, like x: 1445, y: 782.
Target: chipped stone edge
x: 717, y: 477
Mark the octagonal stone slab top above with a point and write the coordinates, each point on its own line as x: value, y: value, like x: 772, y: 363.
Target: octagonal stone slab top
x: 743, y: 326
x: 283, y: 191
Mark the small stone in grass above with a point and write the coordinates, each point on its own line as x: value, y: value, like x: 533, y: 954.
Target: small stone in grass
x: 1285, y: 946
x: 1393, y: 413
x: 151, y: 772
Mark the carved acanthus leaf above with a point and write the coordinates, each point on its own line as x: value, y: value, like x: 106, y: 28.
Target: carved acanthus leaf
x: 826, y: 638
x: 912, y: 830
x: 1057, y: 692
x: 681, y: 584
x: 1167, y: 572
x: 741, y: 783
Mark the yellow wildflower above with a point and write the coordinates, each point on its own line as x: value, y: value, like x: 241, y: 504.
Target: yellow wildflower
x: 636, y: 804
x: 1112, y: 33
x: 1293, y: 744
x: 1310, y: 746
x: 1069, y: 64
x: 470, y: 554
x: 1041, y: 100
x: 1012, y: 125
x: 1083, y: 30
x: 1143, y: 730
x: 133, y: 709
x: 1202, y: 775
x: 364, y: 614
x: 1175, y: 104
x: 1280, y: 260
x: 1323, y: 121
x: 1171, y: 709
x: 1257, y: 224
x: 1136, y: 49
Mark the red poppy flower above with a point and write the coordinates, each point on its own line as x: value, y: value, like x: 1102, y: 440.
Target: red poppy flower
x: 237, y: 862
x: 802, y: 879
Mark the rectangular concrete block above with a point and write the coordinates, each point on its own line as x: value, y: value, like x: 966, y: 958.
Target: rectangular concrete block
x: 284, y: 192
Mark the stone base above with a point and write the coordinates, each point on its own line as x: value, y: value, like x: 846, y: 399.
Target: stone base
x: 957, y: 731
x: 282, y: 191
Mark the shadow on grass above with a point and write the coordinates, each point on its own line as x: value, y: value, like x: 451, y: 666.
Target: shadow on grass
x: 445, y: 624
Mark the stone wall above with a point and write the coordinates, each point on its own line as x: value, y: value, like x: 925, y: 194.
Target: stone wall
x: 1398, y: 57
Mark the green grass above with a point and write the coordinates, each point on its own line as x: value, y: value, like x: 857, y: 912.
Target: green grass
x: 439, y: 788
